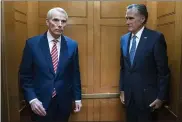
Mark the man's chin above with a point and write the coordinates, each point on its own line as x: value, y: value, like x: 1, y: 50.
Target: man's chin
x: 57, y: 35
x: 130, y: 30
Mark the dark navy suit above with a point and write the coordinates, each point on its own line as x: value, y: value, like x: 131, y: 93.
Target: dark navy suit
x: 38, y: 78
x: 147, y: 79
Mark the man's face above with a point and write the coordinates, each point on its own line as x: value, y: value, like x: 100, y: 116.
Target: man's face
x: 56, y: 24
x: 134, y: 20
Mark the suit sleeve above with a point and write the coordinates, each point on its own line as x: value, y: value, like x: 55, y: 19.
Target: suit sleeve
x: 26, y: 73
x: 76, y: 76
x: 161, y: 59
x: 121, y: 67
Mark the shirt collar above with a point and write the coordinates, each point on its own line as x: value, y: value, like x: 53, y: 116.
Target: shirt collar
x: 139, y: 33
x: 50, y: 37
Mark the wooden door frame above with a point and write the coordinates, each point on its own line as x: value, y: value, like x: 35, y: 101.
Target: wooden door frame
x: 10, y: 103
x: 179, y: 37
x: 4, y: 104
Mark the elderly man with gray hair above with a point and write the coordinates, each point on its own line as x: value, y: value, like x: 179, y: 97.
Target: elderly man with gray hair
x: 49, y: 71
x: 144, y: 74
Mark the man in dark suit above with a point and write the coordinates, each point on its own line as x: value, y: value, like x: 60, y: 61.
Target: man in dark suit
x: 49, y: 71
x: 144, y: 71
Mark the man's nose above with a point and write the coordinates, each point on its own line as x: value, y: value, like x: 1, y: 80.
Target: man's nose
x: 60, y: 24
x: 127, y: 21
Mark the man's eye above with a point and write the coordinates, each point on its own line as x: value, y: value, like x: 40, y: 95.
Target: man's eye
x: 130, y: 18
x: 63, y: 21
x: 56, y: 20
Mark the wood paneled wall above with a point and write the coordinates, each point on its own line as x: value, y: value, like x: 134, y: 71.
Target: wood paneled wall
x: 169, y: 23
x: 178, y: 36
x: 20, y: 23
x: 15, y: 18
x: 32, y: 18
x: 152, y: 17
x: 166, y: 25
x: 26, y: 19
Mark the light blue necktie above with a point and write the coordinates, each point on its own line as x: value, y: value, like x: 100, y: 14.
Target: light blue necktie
x: 133, y: 49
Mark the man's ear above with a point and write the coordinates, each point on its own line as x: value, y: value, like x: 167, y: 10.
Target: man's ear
x: 142, y: 19
x: 47, y: 22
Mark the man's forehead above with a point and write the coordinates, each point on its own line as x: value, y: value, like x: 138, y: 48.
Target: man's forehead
x: 58, y: 15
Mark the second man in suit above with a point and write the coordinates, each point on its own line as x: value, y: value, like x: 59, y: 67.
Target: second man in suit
x: 144, y: 74
x: 49, y: 72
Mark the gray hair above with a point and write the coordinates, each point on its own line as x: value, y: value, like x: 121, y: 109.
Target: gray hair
x: 61, y: 10
x: 142, y: 9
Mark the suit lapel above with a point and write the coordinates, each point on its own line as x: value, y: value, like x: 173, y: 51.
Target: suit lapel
x: 63, y: 56
x: 126, y: 46
x: 140, y: 47
x: 46, y: 51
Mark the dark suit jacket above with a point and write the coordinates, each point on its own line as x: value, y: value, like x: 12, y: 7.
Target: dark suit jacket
x: 37, y: 77
x: 148, y: 77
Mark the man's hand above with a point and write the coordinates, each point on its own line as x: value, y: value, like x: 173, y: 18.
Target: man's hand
x: 156, y: 104
x: 78, y: 106
x: 122, y: 97
x: 38, y: 108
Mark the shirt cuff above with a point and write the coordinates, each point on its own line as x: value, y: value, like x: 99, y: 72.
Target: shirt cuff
x: 32, y: 100
x: 77, y: 101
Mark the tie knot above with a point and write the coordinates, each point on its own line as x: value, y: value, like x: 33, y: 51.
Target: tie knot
x: 134, y: 36
x: 55, y: 41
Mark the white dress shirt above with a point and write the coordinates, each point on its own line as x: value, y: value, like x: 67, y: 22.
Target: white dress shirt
x: 51, y: 43
x: 138, y: 36
x: 50, y: 39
